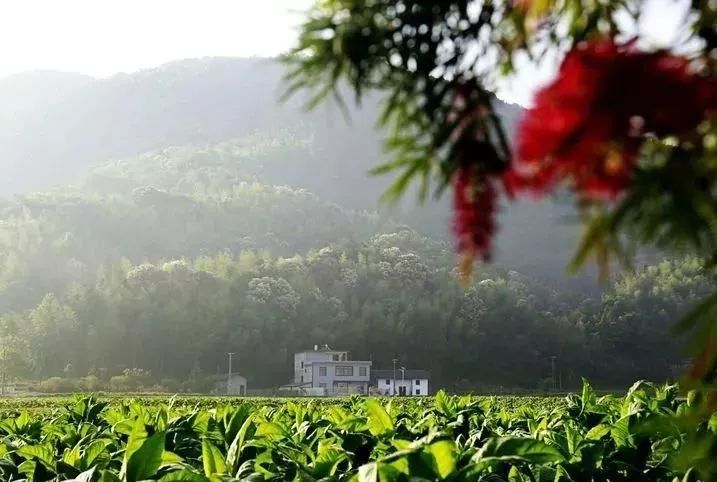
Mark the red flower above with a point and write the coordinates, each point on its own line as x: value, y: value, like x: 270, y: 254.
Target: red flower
x: 587, y: 127
x: 522, y: 4
x: 474, y: 210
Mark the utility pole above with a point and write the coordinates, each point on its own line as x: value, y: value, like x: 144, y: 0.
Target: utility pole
x: 393, y: 389
x: 403, y: 377
x: 229, y: 376
x: 552, y: 371
x: 4, y: 369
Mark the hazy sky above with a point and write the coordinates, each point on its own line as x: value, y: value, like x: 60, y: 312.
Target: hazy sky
x: 103, y: 37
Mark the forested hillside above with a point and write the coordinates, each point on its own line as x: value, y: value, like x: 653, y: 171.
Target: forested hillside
x: 167, y: 204
x: 61, y: 123
x: 57, y: 125
x: 392, y: 296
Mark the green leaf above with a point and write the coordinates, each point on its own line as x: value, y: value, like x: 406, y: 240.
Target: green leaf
x: 73, y: 456
x: 377, y: 472
x: 620, y: 432
x: 38, y: 452
x: 379, y: 421
x: 66, y: 470
x: 184, y: 475
x: 137, y: 436
x: 588, y: 396
x: 235, y: 449
x: 108, y: 476
x: 712, y: 423
x: 200, y: 423
x: 85, y: 476
x: 170, y: 458
x: 124, y: 427
x: 96, y: 454
x: 444, y: 456
x: 233, y: 424
x: 445, y: 404
x: 146, y: 460
x: 327, y: 461
x: 368, y: 473
x: 514, y: 475
x: 598, y: 432
x: 517, y: 450
x: 212, y: 459
x: 23, y: 420
x: 36, y: 471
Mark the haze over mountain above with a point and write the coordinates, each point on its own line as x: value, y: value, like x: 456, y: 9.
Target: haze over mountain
x: 60, y: 125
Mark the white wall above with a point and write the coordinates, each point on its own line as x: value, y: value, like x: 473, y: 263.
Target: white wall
x: 309, y: 357
x: 422, y: 386
x: 330, y: 377
x: 298, y: 370
x: 237, y: 386
x: 410, y: 385
x: 405, y: 384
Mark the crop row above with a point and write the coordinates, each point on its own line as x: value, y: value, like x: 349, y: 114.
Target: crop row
x: 48, y: 404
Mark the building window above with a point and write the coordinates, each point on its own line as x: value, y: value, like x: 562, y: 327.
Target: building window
x: 418, y: 391
x: 302, y: 364
x: 344, y: 371
x: 362, y: 371
x: 335, y: 358
x: 418, y: 382
x: 302, y: 378
x: 388, y: 382
x: 322, y: 371
x: 322, y: 385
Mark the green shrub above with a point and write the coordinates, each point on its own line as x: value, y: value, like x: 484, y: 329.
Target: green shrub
x: 90, y: 383
x: 58, y: 385
x: 131, y: 380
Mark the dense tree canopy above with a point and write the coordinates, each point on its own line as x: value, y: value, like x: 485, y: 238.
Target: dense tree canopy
x: 167, y: 204
x: 394, y: 295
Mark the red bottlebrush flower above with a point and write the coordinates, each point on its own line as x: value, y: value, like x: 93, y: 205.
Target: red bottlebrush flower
x: 587, y: 127
x: 474, y: 209
x: 522, y: 4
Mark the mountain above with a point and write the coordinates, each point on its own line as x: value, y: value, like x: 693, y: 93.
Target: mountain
x: 27, y: 95
x: 166, y: 204
x: 62, y: 125
x: 70, y: 122
x: 86, y: 123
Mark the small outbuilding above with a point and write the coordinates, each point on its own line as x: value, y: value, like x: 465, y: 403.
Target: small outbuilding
x: 402, y: 382
x: 236, y: 385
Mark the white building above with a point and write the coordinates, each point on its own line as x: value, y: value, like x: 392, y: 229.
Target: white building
x: 323, y: 371
x: 406, y: 382
x: 234, y: 386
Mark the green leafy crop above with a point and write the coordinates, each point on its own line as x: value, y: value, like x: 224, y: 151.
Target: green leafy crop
x: 581, y: 437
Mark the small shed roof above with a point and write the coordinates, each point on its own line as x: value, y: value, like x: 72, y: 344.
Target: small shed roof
x: 409, y: 375
x: 343, y: 362
x: 223, y: 378
x: 321, y: 348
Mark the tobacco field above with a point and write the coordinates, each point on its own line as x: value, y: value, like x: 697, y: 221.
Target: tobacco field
x: 579, y: 437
